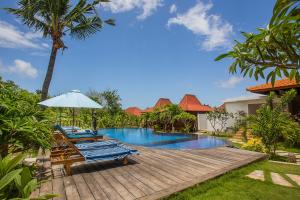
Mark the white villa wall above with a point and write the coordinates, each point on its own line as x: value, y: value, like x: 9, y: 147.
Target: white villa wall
x: 235, y: 107
x: 231, y: 107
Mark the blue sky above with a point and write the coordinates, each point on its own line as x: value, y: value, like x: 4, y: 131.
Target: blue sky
x: 158, y: 48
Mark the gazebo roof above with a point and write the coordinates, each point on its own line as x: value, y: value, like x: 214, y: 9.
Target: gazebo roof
x: 278, y: 85
x: 190, y: 103
x: 160, y: 103
x: 134, y: 111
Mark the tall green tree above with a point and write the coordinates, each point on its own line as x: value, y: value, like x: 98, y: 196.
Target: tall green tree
x: 56, y: 19
x: 273, y: 51
x: 111, y: 101
x: 271, y: 122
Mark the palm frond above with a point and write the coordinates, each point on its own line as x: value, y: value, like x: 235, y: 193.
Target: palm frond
x: 86, y: 27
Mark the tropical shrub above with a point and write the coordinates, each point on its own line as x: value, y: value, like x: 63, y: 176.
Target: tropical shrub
x: 291, y: 134
x: 254, y: 144
x: 17, y: 181
x: 23, y: 124
x: 241, y: 124
x: 187, y: 119
x: 271, y: 121
x: 218, y: 119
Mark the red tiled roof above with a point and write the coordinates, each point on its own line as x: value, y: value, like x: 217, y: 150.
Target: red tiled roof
x: 279, y: 84
x: 160, y: 103
x: 134, y: 111
x: 148, y: 109
x: 190, y: 103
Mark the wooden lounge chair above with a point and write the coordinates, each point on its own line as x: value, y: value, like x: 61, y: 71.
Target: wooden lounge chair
x: 66, y: 153
x: 78, y: 136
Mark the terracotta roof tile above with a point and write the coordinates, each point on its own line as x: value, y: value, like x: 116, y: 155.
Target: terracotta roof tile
x: 279, y: 84
x: 190, y: 103
x: 160, y: 103
x: 134, y: 111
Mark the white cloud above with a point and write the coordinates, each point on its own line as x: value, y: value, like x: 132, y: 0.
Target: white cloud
x: 20, y: 67
x: 230, y: 83
x: 173, y: 8
x: 215, y: 31
x: 147, y: 7
x: 12, y: 37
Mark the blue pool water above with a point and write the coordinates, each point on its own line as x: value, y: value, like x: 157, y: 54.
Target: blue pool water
x: 149, y: 138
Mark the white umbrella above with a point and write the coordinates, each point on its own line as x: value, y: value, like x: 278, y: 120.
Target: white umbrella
x: 73, y: 99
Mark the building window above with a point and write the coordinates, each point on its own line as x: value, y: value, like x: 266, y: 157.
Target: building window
x: 252, y: 108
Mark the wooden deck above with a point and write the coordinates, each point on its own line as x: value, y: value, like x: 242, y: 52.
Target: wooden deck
x: 153, y: 174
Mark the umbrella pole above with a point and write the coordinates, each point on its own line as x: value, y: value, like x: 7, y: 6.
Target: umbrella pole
x: 73, y: 119
x: 60, y: 116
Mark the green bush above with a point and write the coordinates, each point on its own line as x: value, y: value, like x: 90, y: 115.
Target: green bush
x: 17, y: 181
x: 272, y: 122
x: 291, y: 134
x: 23, y: 124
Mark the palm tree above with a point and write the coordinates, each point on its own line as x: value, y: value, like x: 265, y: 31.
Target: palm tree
x: 57, y: 18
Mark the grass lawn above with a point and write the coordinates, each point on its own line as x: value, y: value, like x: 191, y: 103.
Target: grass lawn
x: 234, y: 185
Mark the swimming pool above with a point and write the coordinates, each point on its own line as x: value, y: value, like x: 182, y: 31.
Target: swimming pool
x: 149, y: 138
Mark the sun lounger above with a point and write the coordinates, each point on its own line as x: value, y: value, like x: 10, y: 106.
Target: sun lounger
x: 104, y: 150
x: 67, y: 153
x: 74, y: 134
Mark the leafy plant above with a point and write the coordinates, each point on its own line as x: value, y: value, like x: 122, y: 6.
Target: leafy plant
x: 274, y: 49
x: 218, y: 119
x: 186, y: 119
x: 241, y: 124
x: 16, y: 181
x: 23, y: 125
x: 271, y: 121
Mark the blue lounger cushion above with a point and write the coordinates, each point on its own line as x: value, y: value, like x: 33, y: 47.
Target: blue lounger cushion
x: 106, y: 150
x: 70, y: 128
x: 79, y: 135
x: 97, y: 145
x: 75, y: 135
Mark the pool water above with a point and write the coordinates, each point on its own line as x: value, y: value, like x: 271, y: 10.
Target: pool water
x: 149, y: 138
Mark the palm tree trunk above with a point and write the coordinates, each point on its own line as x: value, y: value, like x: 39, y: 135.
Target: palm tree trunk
x: 49, y: 73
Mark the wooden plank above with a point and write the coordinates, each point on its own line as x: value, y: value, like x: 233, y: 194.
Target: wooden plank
x: 163, y: 179
x: 124, y: 193
x: 46, y: 188
x: 174, y: 170
x: 94, y: 187
x: 143, y: 187
x: 145, y: 174
x: 141, y: 178
x: 106, y: 187
x: 133, y: 189
x: 194, y: 161
x: 162, y: 163
x: 205, y: 159
x: 70, y: 188
x: 82, y: 187
x: 58, y: 188
x: 183, y: 165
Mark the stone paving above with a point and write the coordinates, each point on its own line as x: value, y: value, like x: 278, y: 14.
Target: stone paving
x: 257, y: 174
x: 279, y: 180
x: 276, y: 178
x: 286, y: 154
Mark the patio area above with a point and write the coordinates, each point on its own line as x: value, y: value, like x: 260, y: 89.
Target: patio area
x: 153, y: 174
